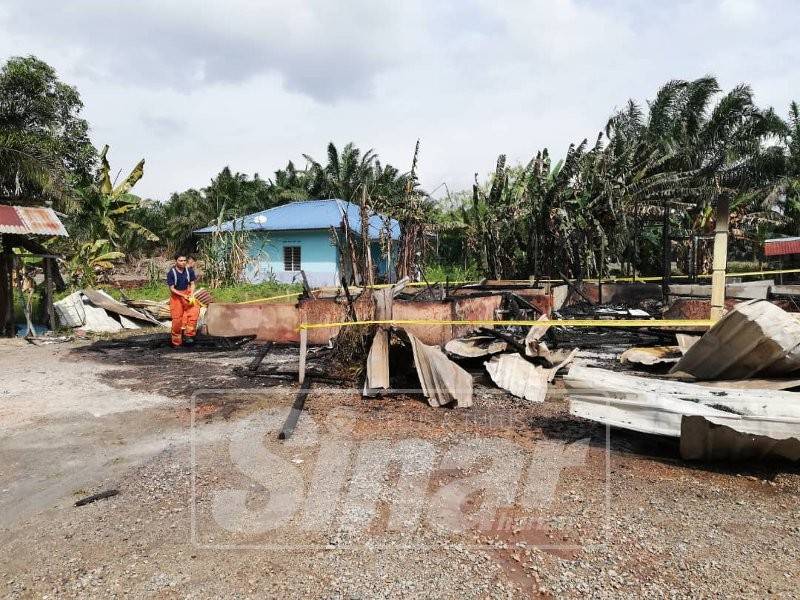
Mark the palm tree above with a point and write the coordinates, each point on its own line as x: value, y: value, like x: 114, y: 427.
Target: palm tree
x: 288, y: 185
x: 29, y: 162
x: 685, y: 154
x: 344, y: 173
x: 791, y: 184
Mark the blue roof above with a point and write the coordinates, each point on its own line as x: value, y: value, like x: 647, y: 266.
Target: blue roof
x: 307, y: 214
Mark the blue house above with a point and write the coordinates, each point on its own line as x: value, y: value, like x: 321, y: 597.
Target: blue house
x: 300, y: 235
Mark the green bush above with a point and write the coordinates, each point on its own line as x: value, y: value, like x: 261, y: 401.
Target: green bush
x: 743, y: 266
x: 451, y: 272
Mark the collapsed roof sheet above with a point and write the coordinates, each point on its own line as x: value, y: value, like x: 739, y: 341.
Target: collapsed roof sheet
x: 755, y: 419
x: 756, y: 337
x: 442, y: 381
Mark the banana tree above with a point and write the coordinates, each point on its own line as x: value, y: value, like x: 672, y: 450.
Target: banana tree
x: 90, y: 261
x: 105, y: 209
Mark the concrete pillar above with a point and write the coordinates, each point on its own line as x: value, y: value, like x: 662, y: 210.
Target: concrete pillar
x: 720, y: 258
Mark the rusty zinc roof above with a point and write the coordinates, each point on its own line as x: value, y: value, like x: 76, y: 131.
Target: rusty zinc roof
x: 782, y: 246
x: 24, y: 220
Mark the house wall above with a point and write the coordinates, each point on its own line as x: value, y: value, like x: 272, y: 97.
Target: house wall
x: 317, y: 256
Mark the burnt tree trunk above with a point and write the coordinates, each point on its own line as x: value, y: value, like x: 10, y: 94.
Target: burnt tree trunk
x: 49, y: 288
x: 366, y: 242
x: 666, y: 252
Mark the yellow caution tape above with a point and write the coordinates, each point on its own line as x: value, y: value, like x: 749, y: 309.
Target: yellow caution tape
x: 271, y: 298
x: 553, y: 323
x: 752, y: 273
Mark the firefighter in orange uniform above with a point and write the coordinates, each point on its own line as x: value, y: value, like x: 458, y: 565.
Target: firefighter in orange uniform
x: 182, y: 304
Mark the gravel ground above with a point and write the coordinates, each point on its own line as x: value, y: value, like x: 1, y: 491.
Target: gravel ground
x: 503, y: 500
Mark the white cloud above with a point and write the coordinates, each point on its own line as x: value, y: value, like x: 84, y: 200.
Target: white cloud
x: 742, y: 12
x: 193, y: 86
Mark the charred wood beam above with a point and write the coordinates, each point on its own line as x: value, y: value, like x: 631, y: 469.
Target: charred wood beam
x: 96, y: 497
x: 497, y: 286
x: 523, y: 302
x: 477, y: 294
x: 428, y: 285
x: 306, y: 287
x: 575, y: 288
x: 275, y: 373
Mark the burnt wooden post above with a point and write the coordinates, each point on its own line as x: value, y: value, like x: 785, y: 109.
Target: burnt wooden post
x: 600, y: 272
x: 6, y: 288
x: 48, y: 292
x: 306, y: 287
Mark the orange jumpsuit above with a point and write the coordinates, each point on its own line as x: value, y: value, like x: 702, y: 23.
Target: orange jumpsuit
x: 184, y: 319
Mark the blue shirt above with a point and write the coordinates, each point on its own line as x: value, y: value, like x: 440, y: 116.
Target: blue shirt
x: 180, y: 281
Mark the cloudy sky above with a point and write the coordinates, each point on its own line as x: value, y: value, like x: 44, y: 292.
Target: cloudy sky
x: 194, y: 86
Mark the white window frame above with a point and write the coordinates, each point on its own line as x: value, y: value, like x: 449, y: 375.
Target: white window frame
x: 292, y: 257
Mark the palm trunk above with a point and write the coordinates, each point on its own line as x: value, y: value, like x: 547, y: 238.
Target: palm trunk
x: 666, y: 251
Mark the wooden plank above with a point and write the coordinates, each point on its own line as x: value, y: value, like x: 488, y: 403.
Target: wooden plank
x: 301, y: 371
x: 378, y: 364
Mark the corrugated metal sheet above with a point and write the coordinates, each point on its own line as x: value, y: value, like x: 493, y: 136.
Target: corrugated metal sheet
x: 756, y: 338
x: 307, y: 214
x: 782, y: 246
x: 761, y: 421
x: 10, y: 221
x: 22, y: 220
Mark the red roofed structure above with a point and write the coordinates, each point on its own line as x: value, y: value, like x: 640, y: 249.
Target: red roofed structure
x: 17, y: 224
x: 782, y: 246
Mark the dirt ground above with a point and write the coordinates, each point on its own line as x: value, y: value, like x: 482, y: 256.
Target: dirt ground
x: 370, y: 498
